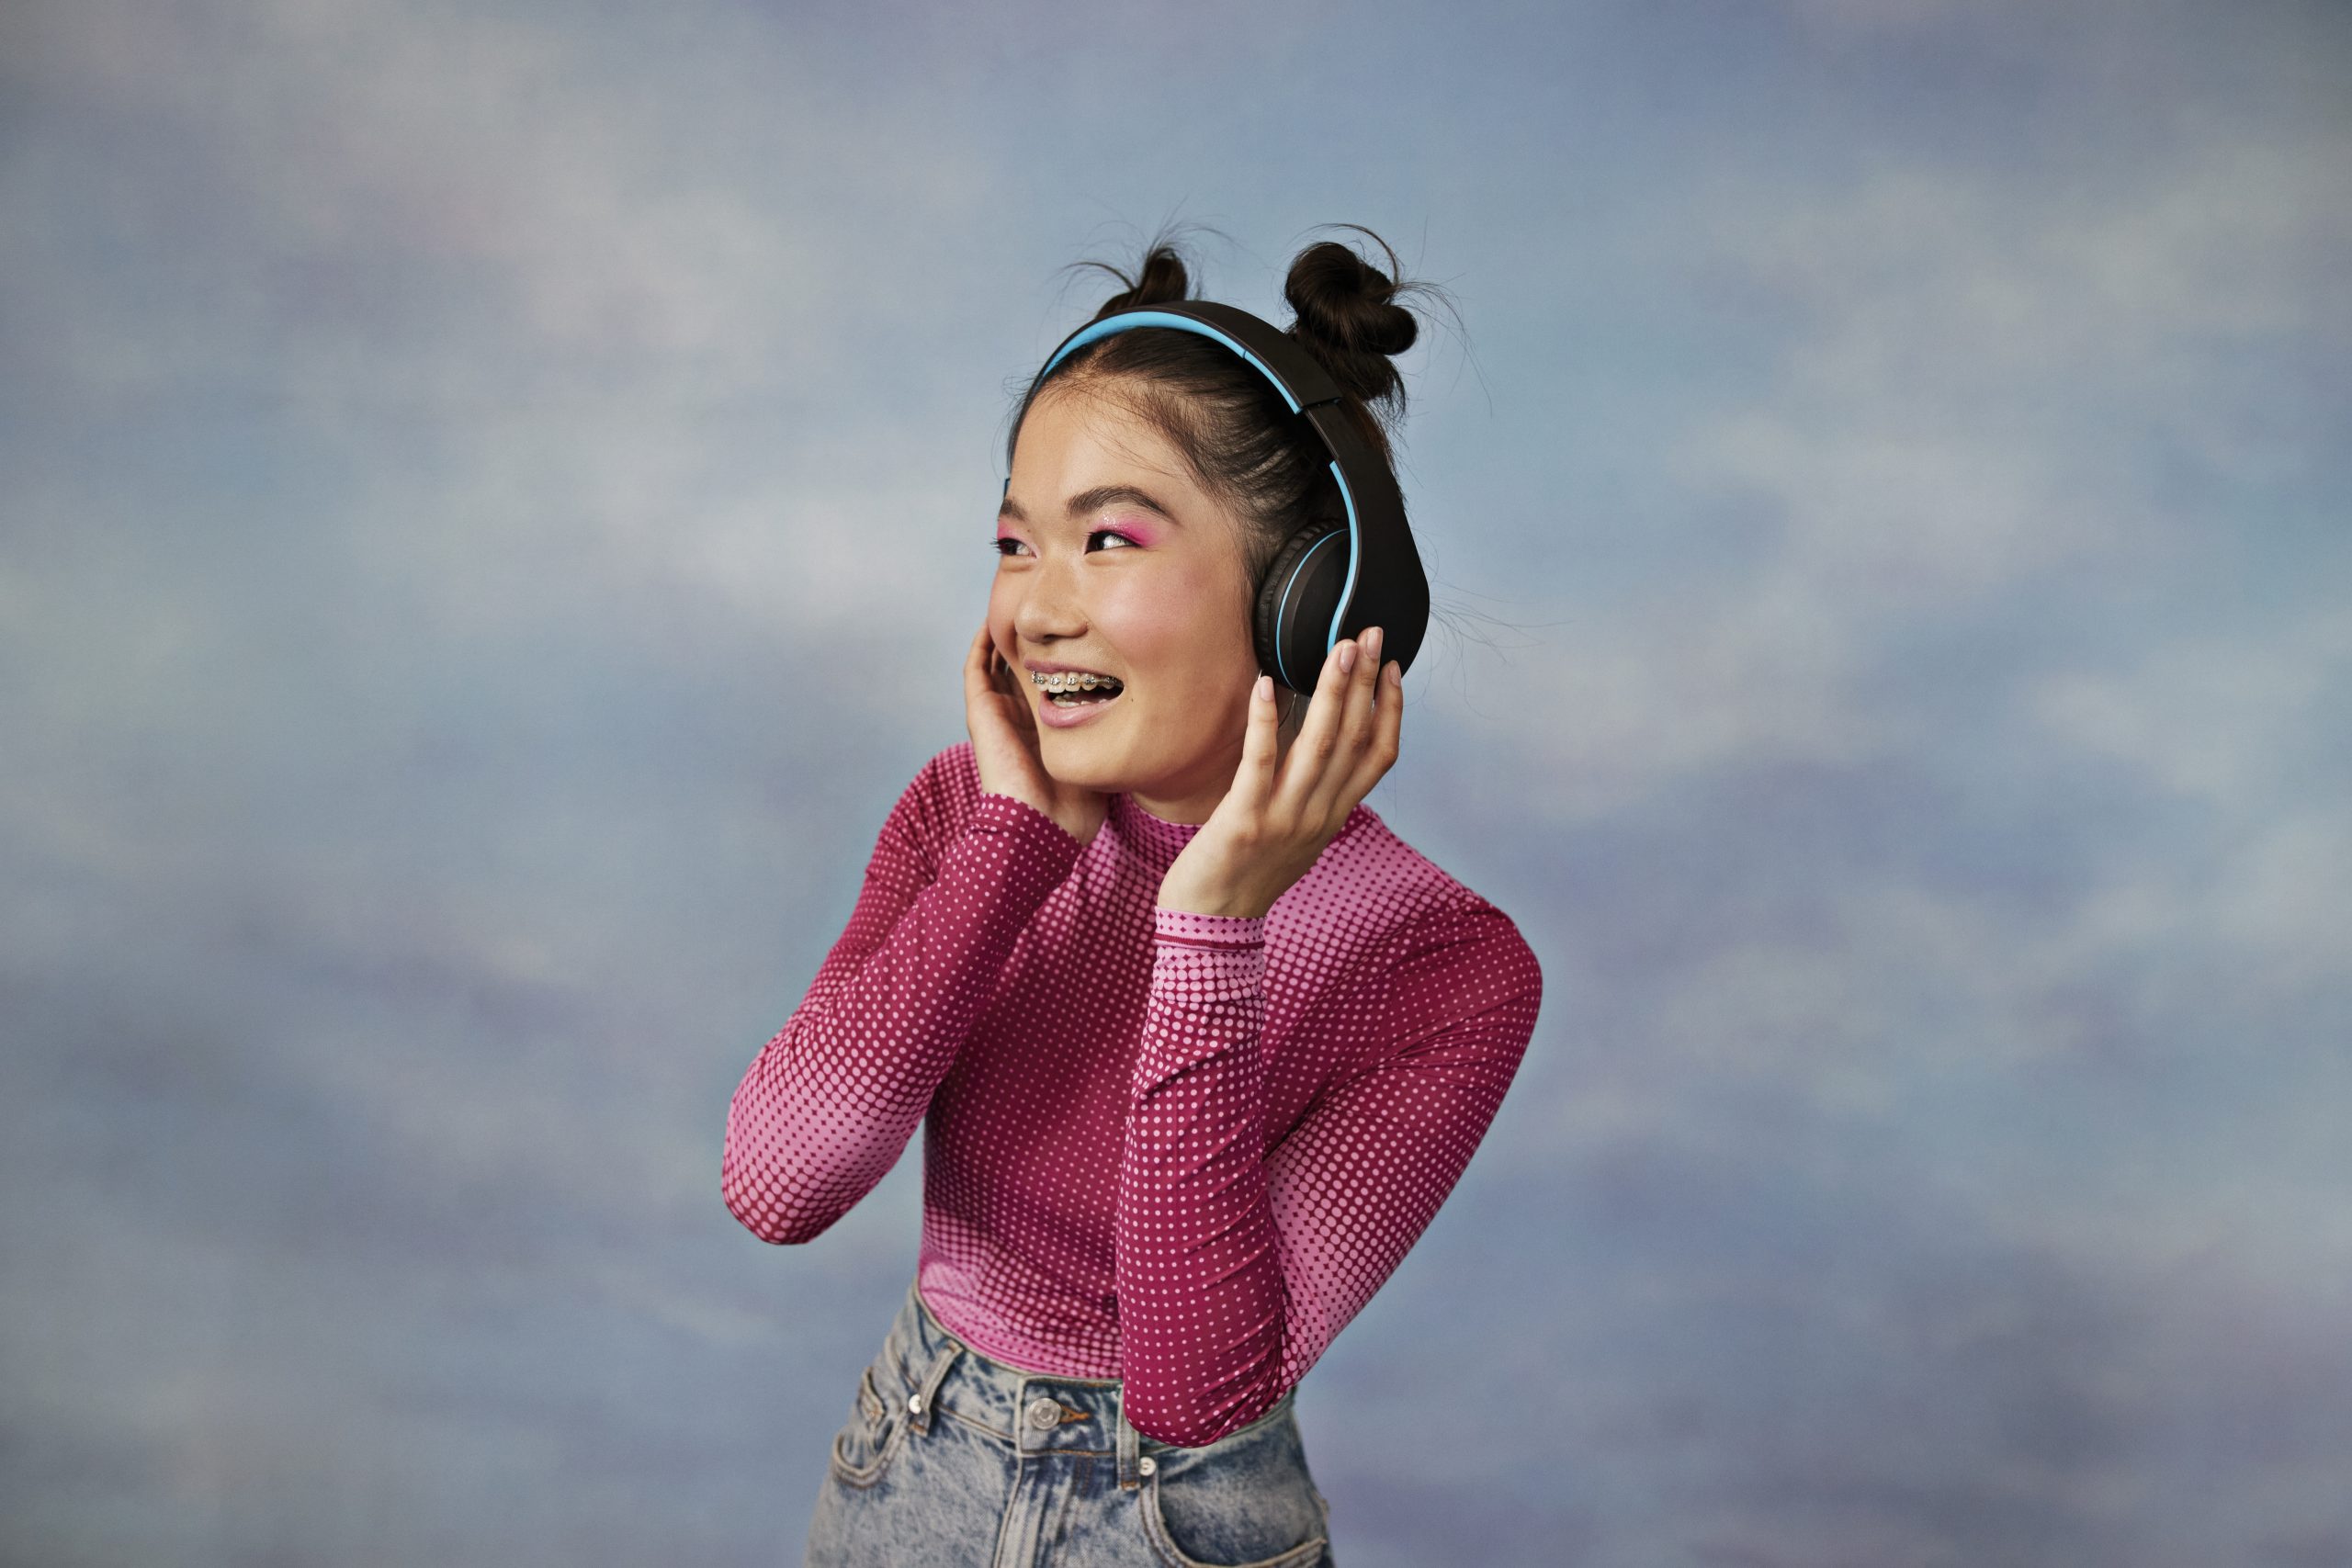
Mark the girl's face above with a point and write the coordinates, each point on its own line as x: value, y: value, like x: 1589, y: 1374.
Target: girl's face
x: 1111, y: 560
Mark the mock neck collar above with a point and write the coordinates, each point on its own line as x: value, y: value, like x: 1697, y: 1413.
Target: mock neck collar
x: 1156, y: 839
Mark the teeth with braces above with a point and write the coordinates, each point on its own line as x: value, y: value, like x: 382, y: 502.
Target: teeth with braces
x: 1071, y: 681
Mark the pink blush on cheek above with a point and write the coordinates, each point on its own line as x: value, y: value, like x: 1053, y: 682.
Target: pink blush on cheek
x: 1159, y: 620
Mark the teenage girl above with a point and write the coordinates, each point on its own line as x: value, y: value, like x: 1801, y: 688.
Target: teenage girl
x: 1198, y: 1042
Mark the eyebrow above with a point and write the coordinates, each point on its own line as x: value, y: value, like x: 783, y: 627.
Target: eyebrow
x: 1087, y: 501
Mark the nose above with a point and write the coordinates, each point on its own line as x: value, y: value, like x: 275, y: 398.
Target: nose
x: 1050, y: 605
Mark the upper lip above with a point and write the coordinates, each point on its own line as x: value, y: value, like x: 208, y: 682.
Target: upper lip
x: 1044, y: 667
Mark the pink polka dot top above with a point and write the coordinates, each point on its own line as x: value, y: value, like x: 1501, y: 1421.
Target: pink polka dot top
x: 1181, y: 1150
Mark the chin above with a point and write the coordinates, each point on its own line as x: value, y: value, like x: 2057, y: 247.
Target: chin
x: 1086, y: 761
x: 1070, y: 765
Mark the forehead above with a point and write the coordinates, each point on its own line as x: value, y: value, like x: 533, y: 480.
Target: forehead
x: 1098, y: 422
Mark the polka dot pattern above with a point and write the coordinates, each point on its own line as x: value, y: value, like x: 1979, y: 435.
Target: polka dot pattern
x: 1183, y: 1150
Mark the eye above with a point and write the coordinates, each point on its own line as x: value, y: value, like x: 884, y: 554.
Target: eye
x: 1006, y: 544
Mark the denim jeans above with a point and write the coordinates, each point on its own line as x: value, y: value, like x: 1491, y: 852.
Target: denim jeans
x: 951, y: 1458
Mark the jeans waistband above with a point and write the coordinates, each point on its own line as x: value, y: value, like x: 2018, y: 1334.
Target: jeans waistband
x: 931, y: 1369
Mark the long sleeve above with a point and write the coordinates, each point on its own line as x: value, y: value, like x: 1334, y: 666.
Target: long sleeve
x: 1239, y: 1265
x: 827, y: 1106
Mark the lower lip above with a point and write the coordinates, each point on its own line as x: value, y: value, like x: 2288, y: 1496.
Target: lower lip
x: 1071, y: 717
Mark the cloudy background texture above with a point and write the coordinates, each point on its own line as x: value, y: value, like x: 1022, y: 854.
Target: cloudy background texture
x: 492, y: 501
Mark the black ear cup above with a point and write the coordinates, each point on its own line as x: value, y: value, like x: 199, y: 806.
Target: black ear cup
x: 1296, y: 600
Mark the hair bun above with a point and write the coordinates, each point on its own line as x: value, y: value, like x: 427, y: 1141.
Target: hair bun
x: 1348, y: 318
x: 1161, y: 278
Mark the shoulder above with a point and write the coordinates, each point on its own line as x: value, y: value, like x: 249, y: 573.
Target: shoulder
x: 1428, y: 919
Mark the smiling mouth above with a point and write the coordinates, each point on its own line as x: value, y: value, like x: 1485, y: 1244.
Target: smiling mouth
x: 1070, y: 691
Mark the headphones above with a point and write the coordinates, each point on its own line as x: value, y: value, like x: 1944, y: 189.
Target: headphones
x: 1332, y: 578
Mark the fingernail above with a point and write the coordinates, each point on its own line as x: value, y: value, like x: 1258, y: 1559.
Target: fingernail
x: 1396, y: 673
x: 1265, y: 688
x: 1372, y: 642
x: 1347, y: 656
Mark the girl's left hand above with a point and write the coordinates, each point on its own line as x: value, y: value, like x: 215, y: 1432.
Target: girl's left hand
x: 1273, y: 824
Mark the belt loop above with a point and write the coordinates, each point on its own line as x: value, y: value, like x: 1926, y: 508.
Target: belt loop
x: 1130, y: 1445
x: 919, y: 1404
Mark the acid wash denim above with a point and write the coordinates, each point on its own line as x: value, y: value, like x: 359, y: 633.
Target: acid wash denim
x: 950, y: 1458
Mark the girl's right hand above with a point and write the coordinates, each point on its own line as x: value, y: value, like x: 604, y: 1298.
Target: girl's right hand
x: 1005, y: 744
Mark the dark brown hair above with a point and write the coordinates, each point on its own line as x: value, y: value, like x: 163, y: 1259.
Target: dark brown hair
x: 1239, y: 438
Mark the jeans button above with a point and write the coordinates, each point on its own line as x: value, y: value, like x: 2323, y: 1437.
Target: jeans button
x: 1146, y: 1464
x: 1044, y: 1412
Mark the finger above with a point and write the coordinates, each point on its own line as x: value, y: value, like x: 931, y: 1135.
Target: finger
x: 1025, y: 718
x: 1317, y: 740
x: 1329, y: 799
x: 986, y: 673
x: 979, y: 675
x: 1253, y: 782
x: 1019, y: 696
x: 1379, y: 755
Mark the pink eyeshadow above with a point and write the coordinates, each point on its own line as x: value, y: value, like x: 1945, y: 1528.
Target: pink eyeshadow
x: 1142, y: 533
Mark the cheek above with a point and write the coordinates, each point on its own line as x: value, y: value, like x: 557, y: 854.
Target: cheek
x: 1172, y: 620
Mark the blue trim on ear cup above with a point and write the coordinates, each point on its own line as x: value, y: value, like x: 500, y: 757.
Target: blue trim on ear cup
x: 1355, y: 553
x: 1127, y: 319
x: 1282, y: 666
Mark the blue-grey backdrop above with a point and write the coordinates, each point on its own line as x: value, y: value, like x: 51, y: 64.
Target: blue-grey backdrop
x: 495, y: 498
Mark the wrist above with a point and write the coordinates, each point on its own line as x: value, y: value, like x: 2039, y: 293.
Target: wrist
x: 1205, y: 886
x: 1002, y: 811
x: 1223, y: 908
x: 1184, y: 896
